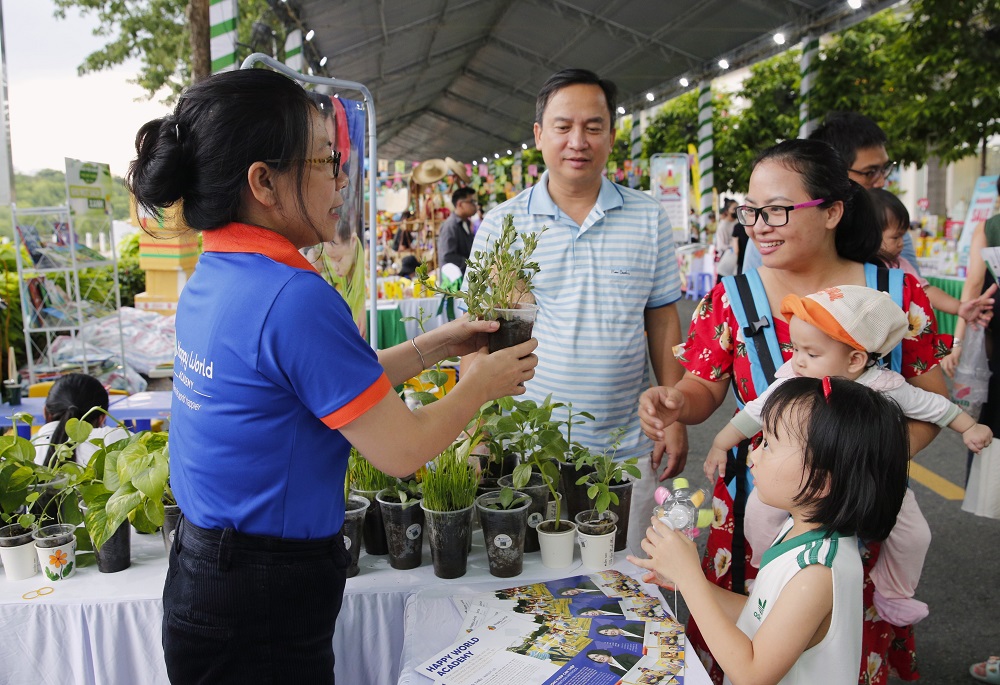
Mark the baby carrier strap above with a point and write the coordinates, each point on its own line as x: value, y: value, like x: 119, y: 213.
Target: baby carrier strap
x: 888, y: 281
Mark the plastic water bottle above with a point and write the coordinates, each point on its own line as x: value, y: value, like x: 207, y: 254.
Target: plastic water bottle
x: 681, y: 509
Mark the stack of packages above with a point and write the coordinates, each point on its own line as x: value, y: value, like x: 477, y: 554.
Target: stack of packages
x: 598, y: 629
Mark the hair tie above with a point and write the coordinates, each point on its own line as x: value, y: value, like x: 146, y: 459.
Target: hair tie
x: 827, y: 388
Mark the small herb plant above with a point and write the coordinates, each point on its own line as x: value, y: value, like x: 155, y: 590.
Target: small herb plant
x: 607, y: 472
x: 507, y: 499
x: 498, y: 278
x: 408, y: 492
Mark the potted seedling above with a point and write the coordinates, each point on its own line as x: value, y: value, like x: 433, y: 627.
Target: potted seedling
x: 449, y: 487
x: 404, y: 523
x: 498, y: 285
x: 355, y: 507
x: 610, y: 491
x: 368, y: 481
x: 18, y: 476
x: 504, y: 517
x: 572, y: 467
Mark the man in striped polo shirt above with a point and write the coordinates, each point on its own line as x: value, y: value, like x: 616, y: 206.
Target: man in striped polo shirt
x: 607, y: 284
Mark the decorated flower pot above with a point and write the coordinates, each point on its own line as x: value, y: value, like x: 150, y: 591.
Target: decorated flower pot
x: 17, y: 550
x: 515, y: 327
x: 374, y: 528
x: 116, y: 553
x: 504, y: 532
x: 56, y: 549
x: 404, y: 529
x: 354, y: 525
x: 557, y: 543
x: 171, y: 517
x: 538, y: 491
x: 450, y: 534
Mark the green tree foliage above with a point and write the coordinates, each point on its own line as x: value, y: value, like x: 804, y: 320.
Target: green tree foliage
x: 47, y: 188
x: 156, y: 31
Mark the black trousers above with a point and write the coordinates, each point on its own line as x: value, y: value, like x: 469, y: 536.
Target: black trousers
x: 249, y: 609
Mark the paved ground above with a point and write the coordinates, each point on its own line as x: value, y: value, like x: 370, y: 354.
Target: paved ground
x: 961, y: 580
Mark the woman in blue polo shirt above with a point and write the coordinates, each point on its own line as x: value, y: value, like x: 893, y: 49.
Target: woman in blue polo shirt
x: 273, y: 383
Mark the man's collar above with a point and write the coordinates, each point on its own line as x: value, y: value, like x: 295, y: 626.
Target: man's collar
x: 236, y: 237
x: 540, y: 202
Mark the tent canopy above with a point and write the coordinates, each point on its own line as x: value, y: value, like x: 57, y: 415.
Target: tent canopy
x: 459, y: 77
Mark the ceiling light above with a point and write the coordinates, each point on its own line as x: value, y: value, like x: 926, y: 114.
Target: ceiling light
x: 723, y: 64
x: 485, y: 160
x: 322, y: 62
x: 475, y: 163
x: 779, y: 38
x: 621, y: 110
x: 509, y: 152
x: 310, y: 71
x: 524, y: 146
x: 684, y: 82
x: 310, y: 35
x: 854, y: 4
x: 496, y: 155
x: 650, y: 97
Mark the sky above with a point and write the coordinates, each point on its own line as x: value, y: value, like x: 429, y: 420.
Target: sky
x: 54, y: 113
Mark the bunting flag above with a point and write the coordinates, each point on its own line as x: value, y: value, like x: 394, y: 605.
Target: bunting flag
x: 706, y: 161
x: 807, y: 65
x: 222, y: 18
x: 293, y: 50
x: 636, y: 152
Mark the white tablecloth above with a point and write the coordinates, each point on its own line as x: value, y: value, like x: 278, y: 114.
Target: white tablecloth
x: 104, y: 629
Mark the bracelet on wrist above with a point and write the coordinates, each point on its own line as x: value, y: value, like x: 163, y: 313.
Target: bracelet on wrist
x: 956, y: 344
x: 423, y: 364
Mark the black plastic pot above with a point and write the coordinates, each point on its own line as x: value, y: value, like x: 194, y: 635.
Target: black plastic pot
x: 116, y: 553
x: 404, y: 530
x: 504, y: 531
x: 374, y: 528
x: 354, y: 520
x: 449, y: 533
x: 623, y: 509
x: 576, y: 495
x: 538, y: 491
x: 515, y: 327
x: 171, y: 517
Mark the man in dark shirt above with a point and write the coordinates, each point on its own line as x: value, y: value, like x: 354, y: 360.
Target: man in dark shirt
x: 454, y: 244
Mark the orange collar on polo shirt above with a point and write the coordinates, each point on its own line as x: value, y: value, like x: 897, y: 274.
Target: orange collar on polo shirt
x: 236, y: 237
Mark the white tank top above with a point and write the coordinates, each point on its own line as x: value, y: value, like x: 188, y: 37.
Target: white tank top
x: 836, y: 660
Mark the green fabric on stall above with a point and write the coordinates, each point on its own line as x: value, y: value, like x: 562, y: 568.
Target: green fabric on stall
x: 391, y: 330
x: 953, y: 287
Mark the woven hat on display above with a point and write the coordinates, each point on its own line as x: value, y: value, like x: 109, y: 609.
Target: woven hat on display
x: 429, y: 171
x: 866, y: 319
x: 457, y: 168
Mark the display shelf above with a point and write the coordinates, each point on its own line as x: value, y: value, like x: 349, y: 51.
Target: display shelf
x: 63, y: 291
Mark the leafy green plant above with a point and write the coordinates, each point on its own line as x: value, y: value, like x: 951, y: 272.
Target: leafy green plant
x: 606, y: 472
x: 507, y: 498
x: 406, y: 492
x: 498, y: 278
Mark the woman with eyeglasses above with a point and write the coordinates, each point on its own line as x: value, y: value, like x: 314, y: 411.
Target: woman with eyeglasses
x: 815, y: 229
x: 273, y: 384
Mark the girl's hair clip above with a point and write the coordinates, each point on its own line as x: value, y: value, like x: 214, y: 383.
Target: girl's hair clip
x: 827, y: 388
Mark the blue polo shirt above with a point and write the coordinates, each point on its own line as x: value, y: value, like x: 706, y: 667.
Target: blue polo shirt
x: 268, y: 365
x: 595, y: 284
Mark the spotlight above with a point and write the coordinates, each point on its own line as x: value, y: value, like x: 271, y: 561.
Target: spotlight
x: 650, y: 97
x: 310, y: 35
x: 723, y: 64
x: 684, y: 82
x: 524, y: 146
x: 621, y: 110
x: 854, y: 4
x: 779, y: 38
x: 485, y: 160
x: 322, y: 62
x: 496, y: 155
x: 509, y: 152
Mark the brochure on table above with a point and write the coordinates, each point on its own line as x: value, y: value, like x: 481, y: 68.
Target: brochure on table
x: 598, y: 629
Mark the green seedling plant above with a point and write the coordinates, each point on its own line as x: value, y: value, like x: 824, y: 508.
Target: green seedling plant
x: 507, y: 499
x: 607, y: 472
x: 364, y: 477
x: 497, y: 278
x: 450, y: 481
x: 408, y: 492
x: 19, y: 476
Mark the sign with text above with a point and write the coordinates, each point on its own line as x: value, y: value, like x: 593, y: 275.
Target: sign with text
x: 981, y: 207
x: 668, y: 179
x: 88, y: 191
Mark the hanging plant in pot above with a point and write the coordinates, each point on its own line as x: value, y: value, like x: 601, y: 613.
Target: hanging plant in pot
x: 498, y: 285
x: 404, y: 524
x: 368, y: 481
x: 504, y: 517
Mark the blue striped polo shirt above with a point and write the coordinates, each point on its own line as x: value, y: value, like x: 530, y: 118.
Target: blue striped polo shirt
x: 596, y: 281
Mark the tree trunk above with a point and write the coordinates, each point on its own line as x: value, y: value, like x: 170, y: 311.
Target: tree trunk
x: 937, y: 187
x: 201, y: 51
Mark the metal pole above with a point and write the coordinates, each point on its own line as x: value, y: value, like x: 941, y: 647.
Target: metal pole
x: 372, y: 169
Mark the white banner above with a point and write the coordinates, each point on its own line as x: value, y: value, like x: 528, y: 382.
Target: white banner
x: 668, y: 180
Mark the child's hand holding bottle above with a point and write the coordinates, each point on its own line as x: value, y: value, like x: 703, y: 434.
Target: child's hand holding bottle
x: 673, y: 557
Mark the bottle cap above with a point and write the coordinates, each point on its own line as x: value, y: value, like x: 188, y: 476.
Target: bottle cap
x: 705, y: 517
x: 681, y: 483
x: 661, y: 494
x: 698, y: 497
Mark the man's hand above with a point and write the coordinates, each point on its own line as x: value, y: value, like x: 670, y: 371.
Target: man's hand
x: 675, y: 446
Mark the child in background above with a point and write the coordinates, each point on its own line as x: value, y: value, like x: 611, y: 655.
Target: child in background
x: 803, y: 620
x: 895, y: 221
x: 844, y: 331
x: 71, y: 397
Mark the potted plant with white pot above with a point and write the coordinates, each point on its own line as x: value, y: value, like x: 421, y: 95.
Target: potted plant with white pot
x: 18, y: 476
